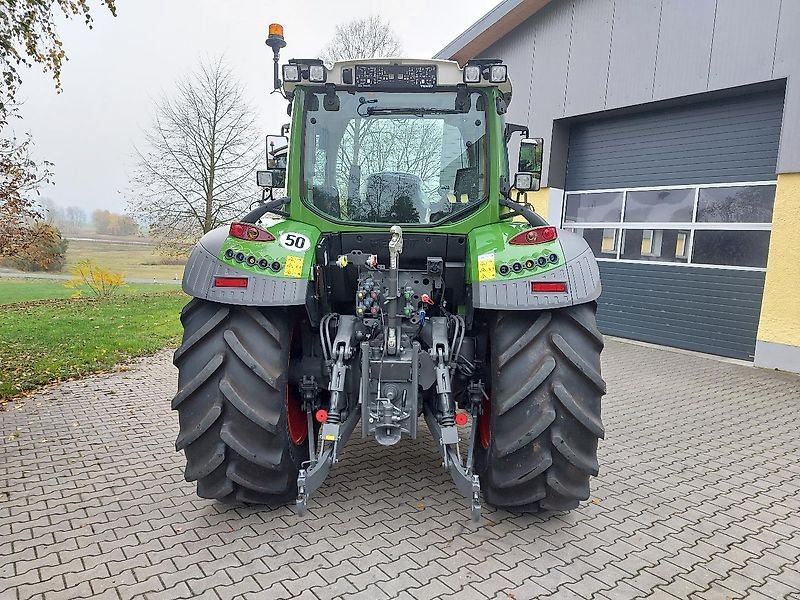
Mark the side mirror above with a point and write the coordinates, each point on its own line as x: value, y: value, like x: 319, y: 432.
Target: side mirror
x: 274, y: 178
x: 277, y: 151
x: 529, y: 166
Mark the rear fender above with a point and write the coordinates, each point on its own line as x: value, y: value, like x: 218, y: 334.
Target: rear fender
x: 278, y: 272
x: 567, y: 259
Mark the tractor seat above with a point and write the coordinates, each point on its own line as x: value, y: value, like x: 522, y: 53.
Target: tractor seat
x: 326, y: 198
x: 394, y: 196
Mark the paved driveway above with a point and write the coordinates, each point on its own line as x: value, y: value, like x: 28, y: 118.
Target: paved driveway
x: 698, y: 498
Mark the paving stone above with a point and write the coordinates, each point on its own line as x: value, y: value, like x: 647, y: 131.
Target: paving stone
x: 697, y: 498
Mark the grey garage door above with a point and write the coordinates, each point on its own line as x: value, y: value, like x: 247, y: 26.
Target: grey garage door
x: 677, y: 205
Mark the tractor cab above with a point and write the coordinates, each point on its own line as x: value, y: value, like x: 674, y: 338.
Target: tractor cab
x: 403, y: 142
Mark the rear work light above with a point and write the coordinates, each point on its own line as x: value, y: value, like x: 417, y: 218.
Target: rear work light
x: 549, y: 286
x: 498, y: 73
x: 251, y: 233
x: 540, y: 235
x: 317, y: 73
x: 472, y: 74
x: 230, y: 282
x: 291, y: 73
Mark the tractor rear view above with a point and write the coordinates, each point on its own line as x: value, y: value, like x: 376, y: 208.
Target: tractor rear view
x: 399, y: 278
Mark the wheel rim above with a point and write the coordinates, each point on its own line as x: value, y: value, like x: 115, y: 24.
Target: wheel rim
x: 485, y: 423
x: 298, y: 424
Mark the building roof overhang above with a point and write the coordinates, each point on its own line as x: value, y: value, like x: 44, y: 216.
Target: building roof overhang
x: 487, y: 30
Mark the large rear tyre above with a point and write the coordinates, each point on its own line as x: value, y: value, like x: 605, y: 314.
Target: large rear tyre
x: 241, y: 428
x: 539, y: 431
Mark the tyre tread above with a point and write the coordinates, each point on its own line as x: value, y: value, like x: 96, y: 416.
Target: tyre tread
x: 545, y: 399
x: 231, y: 403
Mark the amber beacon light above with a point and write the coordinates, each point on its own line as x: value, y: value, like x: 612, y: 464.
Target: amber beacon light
x: 276, y: 30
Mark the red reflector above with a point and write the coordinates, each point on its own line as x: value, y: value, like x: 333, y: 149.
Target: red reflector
x: 251, y: 233
x: 321, y: 416
x: 548, y: 286
x: 461, y: 419
x: 540, y: 235
x: 230, y: 282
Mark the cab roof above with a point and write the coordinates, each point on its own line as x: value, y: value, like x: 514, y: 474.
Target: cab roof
x: 448, y: 73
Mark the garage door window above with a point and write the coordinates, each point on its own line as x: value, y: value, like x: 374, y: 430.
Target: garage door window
x: 721, y: 225
x: 597, y: 207
x: 744, y: 204
x: 659, y: 206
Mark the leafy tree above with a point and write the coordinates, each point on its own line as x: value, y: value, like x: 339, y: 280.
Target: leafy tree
x: 47, y: 251
x: 109, y: 223
x: 368, y: 37
x: 20, y: 178
x: 28, y: 36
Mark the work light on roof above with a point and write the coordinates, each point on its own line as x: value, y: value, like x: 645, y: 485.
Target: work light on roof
x: 498, y: 73
x: 316, y: 73
x: 485, y: 69
x: 472, y: 74
x: 291, y: 73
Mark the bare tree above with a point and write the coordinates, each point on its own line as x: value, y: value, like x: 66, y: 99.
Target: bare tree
x: 369, y: 37
x: 52, y: 213
x: 75, y: 218
x: 196, y: 172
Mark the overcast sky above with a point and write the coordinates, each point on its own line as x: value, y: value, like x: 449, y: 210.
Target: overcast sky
x: 117, y: 70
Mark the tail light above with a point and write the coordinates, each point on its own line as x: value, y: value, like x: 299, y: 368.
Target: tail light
x: 251, y: 233
x: 549, y: 286
x: 230, y: 282
x: 540, y: 235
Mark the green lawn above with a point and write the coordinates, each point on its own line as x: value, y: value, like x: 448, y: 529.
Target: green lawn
x: 27, y: 290
x: 53, y: 340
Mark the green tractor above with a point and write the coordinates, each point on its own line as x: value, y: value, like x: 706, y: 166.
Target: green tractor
x: 403, y: 275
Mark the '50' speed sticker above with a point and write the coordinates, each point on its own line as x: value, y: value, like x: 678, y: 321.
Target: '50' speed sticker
x: 294, y: 241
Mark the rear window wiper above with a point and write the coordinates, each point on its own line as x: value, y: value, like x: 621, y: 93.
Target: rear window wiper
x: 416, y: 111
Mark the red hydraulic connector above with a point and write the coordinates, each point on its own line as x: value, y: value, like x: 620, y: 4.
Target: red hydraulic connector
x: 321, y: 415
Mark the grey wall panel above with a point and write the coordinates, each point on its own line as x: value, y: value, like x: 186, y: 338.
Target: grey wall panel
x: 553, y: 28
x: 787, y: 64
x: 538, y: 53
x: 787, y: 48
x: 743, y: 48
x: 516, y: 50
x: 789, y: 152
x: 577, y: 57
x: 684, y: 47
x: 733, y: 139
x: 589, y: 52
x: 633, y: 52
x: 706, y: 310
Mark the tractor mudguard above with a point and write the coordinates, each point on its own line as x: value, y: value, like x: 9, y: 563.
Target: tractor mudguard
x: 503, y: 275
x: 277, y: 271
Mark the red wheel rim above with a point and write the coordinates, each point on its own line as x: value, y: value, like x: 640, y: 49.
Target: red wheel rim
x: 485, y: 423
x: 298, y: 425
